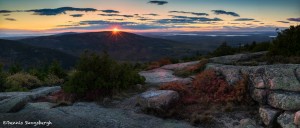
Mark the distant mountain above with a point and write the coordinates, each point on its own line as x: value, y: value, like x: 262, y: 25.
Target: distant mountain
x: 65, y: 33
x: 17, y: 37
x: 13, y: 52
x: 209, y: 41
x: 121, y: 46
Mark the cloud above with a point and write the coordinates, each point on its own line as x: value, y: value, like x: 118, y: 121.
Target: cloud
x: 175, y: 21
x: 76, y: 15
x: 285, y: 22
x: 96, y: 24
x: 10, y: 19
x: 104, y: 24
x: 198, y: 18
x: 56, y: 11
x: 158, y: 2
x: 218, y: 12
x: 5, y: 11
x: 117, y: 19
x: 181, y: 17
x: 199, y: 14
x: 193, y: 13
x: 126, y: 16
x: 145, y: 19
x: 70, y: 25
x: 244, y: 19
x: 205, y: 19
x: 151, y: 14
x: 294, y: 19
x: 251, y: 28
x: 108, y: 14
x: 110, y: 11
x: 91, y: 22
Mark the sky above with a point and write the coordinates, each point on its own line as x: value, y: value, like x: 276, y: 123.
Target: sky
x: 28, y: 17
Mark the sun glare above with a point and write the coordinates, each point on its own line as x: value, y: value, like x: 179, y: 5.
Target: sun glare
x: 116, y: 30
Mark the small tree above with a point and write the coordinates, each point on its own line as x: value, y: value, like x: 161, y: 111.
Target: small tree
x: 56, y: 69
x: 2, y: 79
x: 100, y: 75
x: 287, y: 42
x: 15, y: 68
x: 223, y: 49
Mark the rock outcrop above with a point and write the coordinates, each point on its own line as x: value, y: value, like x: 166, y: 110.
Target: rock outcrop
x: 232, y: 59
x: 159, y: 100
x: 14, y: 101
x: 286, y: 120
x: 284, y: 100
x: 165, y: 74
x: 274, y: 86
x: 268, y: 115
x: 89, y: 115
x: 248, y: 123
x: 159, y: 76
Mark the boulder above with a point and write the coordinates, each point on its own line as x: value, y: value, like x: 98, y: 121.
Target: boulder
x: 158, y: 100
x: 286, y: 120
x: 258, y: 78
x: 259, y: 95
x: 43, y: 91
x: 5, y: 95
x: 268, y: 115
x: 275, y: 77
x: 179, y: 66
x: 13, y: 104
x: 231, y: 59
x: 17, y: 100
x: 297, y: 118
x: 159, y: 76
x: 284, y: 100
x: 231, y: 73
x: 282, y: 77
x: 38, y: 106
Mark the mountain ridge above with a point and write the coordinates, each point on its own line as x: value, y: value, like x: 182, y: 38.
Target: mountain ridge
x: 122, y: 46
x: 14, y: 52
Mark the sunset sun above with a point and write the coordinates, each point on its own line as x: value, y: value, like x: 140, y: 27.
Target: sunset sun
x: 115, y: 30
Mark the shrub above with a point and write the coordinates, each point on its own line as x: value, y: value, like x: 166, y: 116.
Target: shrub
x: 287, y: 42
x: 21, y: 82
x: 100, y: 75
x: 159, y: 63
x: 175, y: 86
x: 40, y: 73
x: 15, y: 69
x: 213, y: 88
x: 264, y: 46
x: 190, y: 70
x: 282, y: 59
x: 2, y: 79
x: 53, y: 80
x: 210, y: 86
